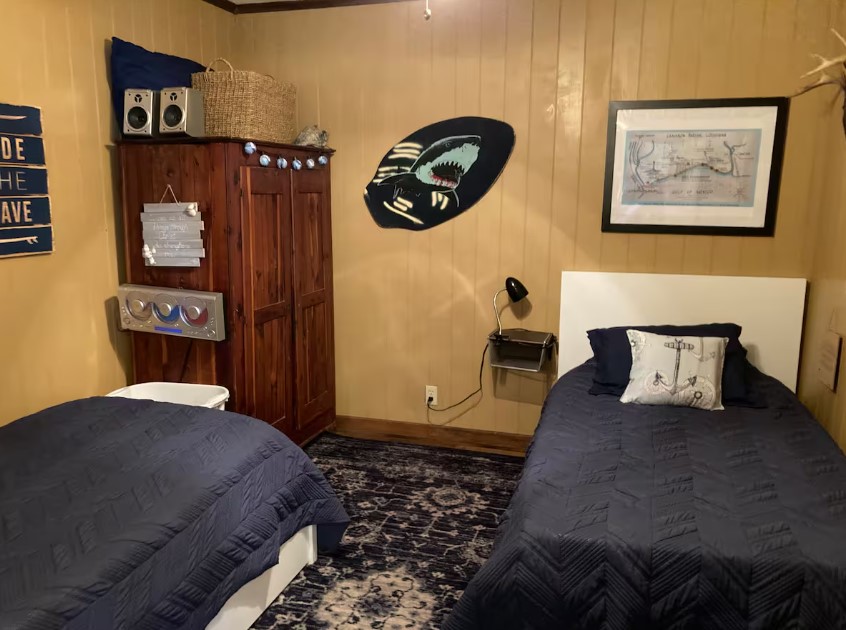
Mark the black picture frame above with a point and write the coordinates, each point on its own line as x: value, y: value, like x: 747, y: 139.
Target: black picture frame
x: 782, y: 105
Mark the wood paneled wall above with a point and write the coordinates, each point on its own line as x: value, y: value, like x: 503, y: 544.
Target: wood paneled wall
x: 827, y: 304
x: 58, y: 340
x: 414, y: 308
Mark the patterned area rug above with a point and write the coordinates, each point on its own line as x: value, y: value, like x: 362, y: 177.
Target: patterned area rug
x: 423, y: 521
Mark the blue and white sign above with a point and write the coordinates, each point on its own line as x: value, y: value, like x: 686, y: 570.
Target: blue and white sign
x: 25, y: 219
x: 22, y: 180
x: 20, y: 119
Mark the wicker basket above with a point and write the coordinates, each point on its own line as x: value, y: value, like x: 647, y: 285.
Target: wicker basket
x: 248, y: 105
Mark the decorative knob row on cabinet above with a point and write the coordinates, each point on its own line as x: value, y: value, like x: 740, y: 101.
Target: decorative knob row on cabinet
x: 296, y: 164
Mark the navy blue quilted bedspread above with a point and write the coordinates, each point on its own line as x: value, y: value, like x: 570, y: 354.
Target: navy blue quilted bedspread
x: 119, y: 513
x: 632, y: 516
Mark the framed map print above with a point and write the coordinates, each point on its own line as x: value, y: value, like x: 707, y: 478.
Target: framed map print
x: 694, y: 166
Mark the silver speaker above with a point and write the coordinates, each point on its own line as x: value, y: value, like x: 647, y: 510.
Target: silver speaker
x: 140, y: 112
x: 182, y: 112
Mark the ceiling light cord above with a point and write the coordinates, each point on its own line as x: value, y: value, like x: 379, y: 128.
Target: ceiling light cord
x: 427, y: 14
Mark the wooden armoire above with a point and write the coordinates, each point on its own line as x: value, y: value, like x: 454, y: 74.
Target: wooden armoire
x: 268, y: 250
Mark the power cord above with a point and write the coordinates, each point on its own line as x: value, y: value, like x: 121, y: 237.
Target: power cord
x: 186, y: 360
x: 429, y: 406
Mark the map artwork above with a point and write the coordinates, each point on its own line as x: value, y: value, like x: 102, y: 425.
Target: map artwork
x: 691, y: 167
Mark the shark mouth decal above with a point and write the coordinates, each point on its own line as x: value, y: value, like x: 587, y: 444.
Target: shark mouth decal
x: 417, y: 183
x: 439, y: 168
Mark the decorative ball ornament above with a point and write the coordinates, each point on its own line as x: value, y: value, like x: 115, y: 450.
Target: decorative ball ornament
x: 264, y: 160
x: 250, y: 148
x: 323, y: 160
x: 296, y: 164
x: 310, y: 163
x: 281, y: 163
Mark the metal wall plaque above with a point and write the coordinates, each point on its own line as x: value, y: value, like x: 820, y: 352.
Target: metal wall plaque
x: 166, y: 311
x: 25, y: 222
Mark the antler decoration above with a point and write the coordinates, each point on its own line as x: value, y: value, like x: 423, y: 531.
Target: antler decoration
x: 837, y: 65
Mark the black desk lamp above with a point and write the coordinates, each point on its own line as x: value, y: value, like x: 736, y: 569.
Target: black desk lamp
x: 516, y: 291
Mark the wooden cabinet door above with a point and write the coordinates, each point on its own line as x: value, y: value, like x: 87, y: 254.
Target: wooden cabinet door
x: 313, y: 302
x: 266, y: 271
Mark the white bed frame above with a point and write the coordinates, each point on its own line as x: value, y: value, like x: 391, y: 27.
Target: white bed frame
x: 770, y: 310
x: 251, y: 600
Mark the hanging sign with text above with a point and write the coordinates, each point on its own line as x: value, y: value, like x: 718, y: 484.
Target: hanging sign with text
x: 25, y: 221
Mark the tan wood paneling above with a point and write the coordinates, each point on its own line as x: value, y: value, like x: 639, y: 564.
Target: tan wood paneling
x: 652, y: 84
x: 414, y: 308
x: 58, y: 335
x: 827, y: 226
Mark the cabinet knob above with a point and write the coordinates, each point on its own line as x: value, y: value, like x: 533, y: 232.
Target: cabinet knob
x: 281, y: 163
x: 323, y: 160
x: 296, y: 164
x: 264, y: 160
x: 310, y: 163
x: 250, y: 148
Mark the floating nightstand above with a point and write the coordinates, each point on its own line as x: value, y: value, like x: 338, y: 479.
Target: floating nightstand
x: 519, y: 349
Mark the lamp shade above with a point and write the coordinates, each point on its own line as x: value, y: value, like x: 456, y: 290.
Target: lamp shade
x: 515, y: 288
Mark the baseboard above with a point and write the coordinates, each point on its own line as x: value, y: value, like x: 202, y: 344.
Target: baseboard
x: 432, y: 435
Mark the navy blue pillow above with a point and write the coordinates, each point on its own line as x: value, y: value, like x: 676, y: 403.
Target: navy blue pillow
x: 136, y: 67
x: 613, y: 354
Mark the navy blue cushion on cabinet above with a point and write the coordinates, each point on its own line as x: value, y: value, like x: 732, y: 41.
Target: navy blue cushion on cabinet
x: 137, y: 67
x: 613, y: 355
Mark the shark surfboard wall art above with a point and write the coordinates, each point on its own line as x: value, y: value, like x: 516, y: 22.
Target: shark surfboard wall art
x: 438, y: 172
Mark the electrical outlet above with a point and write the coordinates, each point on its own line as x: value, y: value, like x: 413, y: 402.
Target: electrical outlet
x: 432, y: 392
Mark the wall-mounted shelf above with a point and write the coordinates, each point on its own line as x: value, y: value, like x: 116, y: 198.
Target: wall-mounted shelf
x: 522, y: 350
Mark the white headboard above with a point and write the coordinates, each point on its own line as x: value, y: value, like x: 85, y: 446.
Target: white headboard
x: 771, y: 311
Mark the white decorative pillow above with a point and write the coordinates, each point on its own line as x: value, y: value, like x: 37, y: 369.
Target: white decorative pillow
x: 677, y: 371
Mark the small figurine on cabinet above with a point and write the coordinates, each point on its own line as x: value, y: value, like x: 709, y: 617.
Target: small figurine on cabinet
x: 312, y: 136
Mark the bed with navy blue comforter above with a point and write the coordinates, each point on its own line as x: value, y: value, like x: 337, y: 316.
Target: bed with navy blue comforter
x: 631, y: 516
x: 118, y: 513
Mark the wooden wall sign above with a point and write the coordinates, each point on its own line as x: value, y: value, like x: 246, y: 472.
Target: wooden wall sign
x: 25, y: 222
x: 828, y: 368
x: 172, y: 234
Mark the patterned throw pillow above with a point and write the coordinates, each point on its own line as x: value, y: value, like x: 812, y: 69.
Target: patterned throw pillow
x: 677, y: 371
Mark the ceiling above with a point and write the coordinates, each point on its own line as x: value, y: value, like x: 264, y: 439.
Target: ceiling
x: 264, y: 6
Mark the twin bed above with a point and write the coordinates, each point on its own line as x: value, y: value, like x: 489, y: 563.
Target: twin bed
x: 122, y: 513
x: 118, y: 513
x: 631, y: 516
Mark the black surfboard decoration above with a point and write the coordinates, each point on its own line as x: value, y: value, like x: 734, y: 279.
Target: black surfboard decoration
x: 438, y: 172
